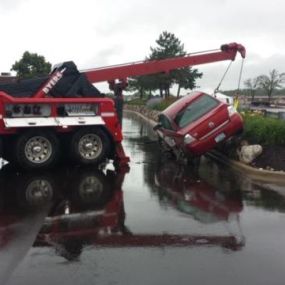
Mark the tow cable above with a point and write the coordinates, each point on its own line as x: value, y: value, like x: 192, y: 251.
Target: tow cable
x: 224, y: 75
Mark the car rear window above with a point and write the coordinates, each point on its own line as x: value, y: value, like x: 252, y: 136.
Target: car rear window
x: 196, y: 110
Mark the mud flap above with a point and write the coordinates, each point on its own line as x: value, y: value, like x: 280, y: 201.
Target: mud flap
x: 121, y: 160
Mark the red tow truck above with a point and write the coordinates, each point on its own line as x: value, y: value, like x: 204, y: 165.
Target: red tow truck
x: 43, y: 118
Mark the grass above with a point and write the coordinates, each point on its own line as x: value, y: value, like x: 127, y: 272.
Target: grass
x: 164, y: 103
x: 137, y: 101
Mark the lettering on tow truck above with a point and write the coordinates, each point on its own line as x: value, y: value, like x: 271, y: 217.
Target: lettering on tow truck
x: 53, y: 81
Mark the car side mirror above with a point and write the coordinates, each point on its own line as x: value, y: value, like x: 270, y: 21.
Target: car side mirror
x: 158, y: 126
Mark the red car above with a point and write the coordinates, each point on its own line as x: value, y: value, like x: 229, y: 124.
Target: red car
x: 196, y: 123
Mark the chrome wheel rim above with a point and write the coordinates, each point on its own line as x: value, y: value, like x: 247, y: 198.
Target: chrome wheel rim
x: 39, y: 192
x: 38, y: 149
x: 90, y: 146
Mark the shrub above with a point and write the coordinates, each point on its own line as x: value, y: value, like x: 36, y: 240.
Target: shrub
x: 164, y: 103
x: 261, y: 130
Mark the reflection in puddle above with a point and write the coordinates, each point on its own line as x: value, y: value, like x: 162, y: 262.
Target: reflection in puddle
x: 158, y: 204
x: 191, y: 195
x: 85, y: 207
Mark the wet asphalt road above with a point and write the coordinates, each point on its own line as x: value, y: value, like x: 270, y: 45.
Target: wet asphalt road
x: 160, y: 223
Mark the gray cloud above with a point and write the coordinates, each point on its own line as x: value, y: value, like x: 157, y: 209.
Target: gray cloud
x: 6, y: 5
x: 97, y: 33
x: 253, y: 66
x: 103, y: 57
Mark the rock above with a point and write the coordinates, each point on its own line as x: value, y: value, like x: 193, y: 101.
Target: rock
x: 247, y: 153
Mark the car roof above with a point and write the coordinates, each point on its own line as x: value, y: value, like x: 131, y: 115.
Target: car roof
x: 172, y: 110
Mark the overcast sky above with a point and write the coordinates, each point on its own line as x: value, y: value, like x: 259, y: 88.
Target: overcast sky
x: 95, y: 33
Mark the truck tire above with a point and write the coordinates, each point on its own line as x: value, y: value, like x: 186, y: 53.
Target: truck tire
x: 89, y: 146
x: 36, y: 149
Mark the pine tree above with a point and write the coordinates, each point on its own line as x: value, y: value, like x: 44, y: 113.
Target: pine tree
x: 168, y: 45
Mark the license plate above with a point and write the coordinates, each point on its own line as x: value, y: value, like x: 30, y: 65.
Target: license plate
x: 220, y: 137
x: 80, y: 109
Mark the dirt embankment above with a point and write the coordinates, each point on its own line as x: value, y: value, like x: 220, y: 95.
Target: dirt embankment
x: 272, y: 158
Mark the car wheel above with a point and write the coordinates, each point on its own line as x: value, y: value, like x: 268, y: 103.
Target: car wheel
x: 89, y: 146
x: 36, y: 149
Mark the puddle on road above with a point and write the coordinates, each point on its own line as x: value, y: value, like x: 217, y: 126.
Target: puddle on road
x: 159, y: 223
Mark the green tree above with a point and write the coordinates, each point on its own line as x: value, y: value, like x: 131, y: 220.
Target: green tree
x: 142, y: 84
x: 269, y: 83
x: 168, y: 45
x: 31, y: 65
x: 186, y: 78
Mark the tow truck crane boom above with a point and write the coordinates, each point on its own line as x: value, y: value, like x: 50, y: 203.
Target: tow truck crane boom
x: 226, y: 52
x: 123, y: 71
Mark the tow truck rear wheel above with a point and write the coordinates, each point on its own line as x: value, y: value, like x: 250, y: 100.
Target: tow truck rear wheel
x: 36, y: 149
x: 89, y: 146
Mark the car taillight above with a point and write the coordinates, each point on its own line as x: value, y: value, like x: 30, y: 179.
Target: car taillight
x: 188, y: 139
x: 231, y: 110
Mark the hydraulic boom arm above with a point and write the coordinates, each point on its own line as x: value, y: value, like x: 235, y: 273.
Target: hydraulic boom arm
x: 122, y: 72
x: 66, y: 80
